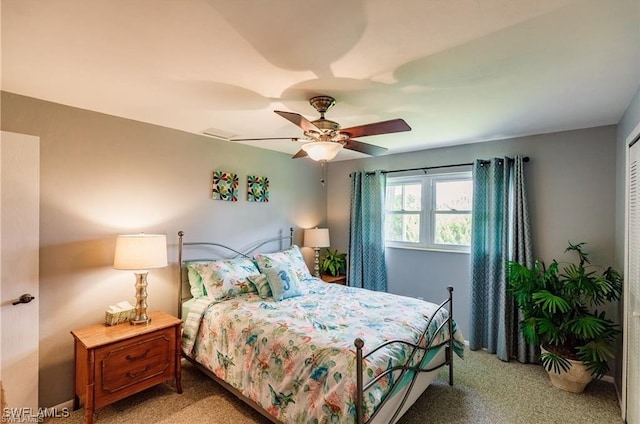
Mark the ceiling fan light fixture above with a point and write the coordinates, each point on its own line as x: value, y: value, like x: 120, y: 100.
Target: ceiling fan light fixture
x: 322, y: 151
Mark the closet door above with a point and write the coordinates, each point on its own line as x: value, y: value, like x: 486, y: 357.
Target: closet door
x: 632, y: 290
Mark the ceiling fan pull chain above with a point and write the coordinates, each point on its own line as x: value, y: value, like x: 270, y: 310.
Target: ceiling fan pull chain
x: 323, y: 172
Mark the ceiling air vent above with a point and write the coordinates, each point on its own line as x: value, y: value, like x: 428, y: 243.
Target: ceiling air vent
x: 219, y: 134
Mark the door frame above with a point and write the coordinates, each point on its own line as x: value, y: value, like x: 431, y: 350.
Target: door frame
x: 626, y: 314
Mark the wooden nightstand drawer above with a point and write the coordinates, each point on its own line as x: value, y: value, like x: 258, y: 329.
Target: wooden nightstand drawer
x: 132, y: 362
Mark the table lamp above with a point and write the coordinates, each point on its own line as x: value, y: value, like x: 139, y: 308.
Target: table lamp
x: 316, y: 238
x: 139, y: 253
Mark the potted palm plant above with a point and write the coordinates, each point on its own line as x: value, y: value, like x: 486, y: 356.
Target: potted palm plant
x: 333, y: 263
x: 557, y: 304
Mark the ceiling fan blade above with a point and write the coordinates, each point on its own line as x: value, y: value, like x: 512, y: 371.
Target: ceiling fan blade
x: 299, y: 120
x: 301, y: 153
x: 266, y: 138
x: 361, y: 147
x: 383, y: 127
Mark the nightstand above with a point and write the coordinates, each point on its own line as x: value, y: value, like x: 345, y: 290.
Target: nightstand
x: 112, y: 363
x: 340, y: 279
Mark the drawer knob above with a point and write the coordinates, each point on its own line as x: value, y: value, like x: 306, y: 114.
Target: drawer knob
x: 135, y: 358
x: 138, y: 374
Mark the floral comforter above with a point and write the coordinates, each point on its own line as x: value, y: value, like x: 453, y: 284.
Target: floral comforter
x: 296, y: 357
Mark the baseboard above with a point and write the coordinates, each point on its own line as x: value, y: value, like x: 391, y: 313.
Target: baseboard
x: 608, y: 379
x: 68, y: 404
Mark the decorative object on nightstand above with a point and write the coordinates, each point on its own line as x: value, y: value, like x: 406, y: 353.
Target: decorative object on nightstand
x: 114, y: 362
x: 139, y: 253
x: 333, y: 263
x: 316, y: 238
x: 119, y: 313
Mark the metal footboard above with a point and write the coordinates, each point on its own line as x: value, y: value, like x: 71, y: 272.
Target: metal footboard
x: 362, y: 388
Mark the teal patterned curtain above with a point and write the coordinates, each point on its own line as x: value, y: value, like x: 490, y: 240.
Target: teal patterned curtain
x: 500, y: 233
x: 367, y: 268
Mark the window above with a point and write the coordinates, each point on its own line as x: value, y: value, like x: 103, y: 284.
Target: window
x: 429, y: 211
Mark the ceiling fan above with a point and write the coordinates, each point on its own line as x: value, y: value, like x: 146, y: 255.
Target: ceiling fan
x: 326, y: 138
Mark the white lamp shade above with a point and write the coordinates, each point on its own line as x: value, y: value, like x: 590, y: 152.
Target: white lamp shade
x: 140, y: 251
x: 316, y: 237
x: 322, y: 150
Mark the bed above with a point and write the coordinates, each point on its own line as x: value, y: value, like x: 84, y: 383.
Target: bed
x: 299, y: 350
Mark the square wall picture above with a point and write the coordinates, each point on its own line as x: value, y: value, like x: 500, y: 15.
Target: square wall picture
x: 225, y: 186
x: 257, y: 189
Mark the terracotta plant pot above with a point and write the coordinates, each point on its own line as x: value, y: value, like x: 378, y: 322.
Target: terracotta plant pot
x: 574, y: 380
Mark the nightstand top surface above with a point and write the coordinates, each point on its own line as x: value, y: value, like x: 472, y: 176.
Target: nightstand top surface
x: 102, y: 334
x: 333, y: 279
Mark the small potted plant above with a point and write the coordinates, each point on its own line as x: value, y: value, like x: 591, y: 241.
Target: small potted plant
x: 333, y: 263
x: 558, y: 314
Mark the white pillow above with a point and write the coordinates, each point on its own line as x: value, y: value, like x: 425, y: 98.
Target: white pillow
x: 227, y: 277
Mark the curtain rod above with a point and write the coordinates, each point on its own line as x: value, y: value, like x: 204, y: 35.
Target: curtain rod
x: 426, y: 168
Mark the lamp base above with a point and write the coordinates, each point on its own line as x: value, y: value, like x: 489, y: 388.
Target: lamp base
x: 141, y: 320
x: 141, y: 300
x: 316, y: 262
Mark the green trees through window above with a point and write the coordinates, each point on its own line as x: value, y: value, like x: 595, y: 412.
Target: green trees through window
x: 429, y: 211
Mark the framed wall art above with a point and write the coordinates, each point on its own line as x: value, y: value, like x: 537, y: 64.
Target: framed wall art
x: 257, y: 189
x: 225, y: 186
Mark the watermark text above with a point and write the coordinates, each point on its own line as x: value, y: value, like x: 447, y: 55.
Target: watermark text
x: 31, y: 415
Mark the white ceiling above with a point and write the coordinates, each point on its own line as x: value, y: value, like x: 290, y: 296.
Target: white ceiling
x: 458, y: 71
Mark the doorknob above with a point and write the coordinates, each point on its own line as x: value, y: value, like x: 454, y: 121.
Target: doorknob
x: 25, y: 298
x: 635, y: 314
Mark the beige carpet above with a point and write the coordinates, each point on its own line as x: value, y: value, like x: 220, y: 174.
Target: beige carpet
x: 486, y: 390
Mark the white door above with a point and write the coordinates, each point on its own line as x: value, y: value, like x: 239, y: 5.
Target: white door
x: 19, y: 253
x: 632, y: 290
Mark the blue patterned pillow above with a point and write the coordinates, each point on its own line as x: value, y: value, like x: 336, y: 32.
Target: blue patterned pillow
x: 284, y: 283
x: 290, y: 258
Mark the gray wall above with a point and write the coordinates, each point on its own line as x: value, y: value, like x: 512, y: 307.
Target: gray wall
x: 102, y: 176
x: 570, y: 182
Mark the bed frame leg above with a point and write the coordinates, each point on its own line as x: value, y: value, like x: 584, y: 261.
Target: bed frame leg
x: 359, y: 343
x: 450, y: 346
x: 449, y: 353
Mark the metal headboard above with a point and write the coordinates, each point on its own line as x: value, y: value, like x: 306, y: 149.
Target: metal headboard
x: 206, y: 244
